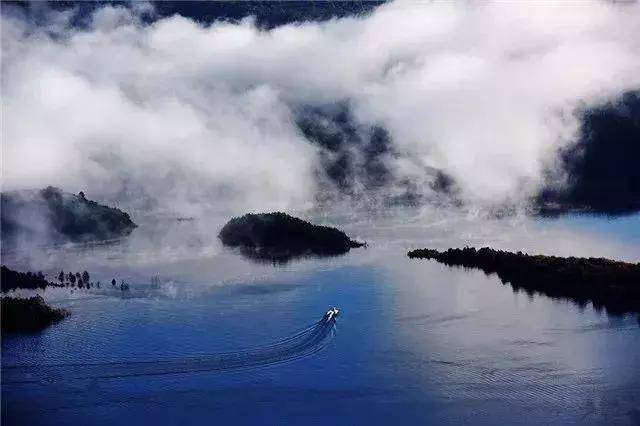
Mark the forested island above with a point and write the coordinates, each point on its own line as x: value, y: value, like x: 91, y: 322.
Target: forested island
x: 606, y: 283
x: 57, y: 215
x: 29, y: 315
x: 279, y: 236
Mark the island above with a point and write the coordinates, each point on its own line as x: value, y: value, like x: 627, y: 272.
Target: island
x: 606, y: 283
x: 28, y: 315
x: 54, y: 214
x: 280, y: 237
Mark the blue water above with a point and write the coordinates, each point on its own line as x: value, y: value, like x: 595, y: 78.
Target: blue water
x: 625, y: 228
x: 416, y: 342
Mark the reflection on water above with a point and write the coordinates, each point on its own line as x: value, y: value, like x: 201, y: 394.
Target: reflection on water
x: 277, y: 257
x: 477, y: 341
x: 416, y: 342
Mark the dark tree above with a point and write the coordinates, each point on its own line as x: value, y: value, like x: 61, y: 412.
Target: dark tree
x: 80, y: 283
x: 85, y: 276
x: 61, y: 277
x: 72, y: 279
x: 28, y: 315
x: 10, y: 280
x: 113, y: 282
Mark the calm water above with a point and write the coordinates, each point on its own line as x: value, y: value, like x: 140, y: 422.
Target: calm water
x: 416, y: 342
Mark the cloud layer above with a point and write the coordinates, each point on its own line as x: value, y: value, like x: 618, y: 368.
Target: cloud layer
x: 189, y: 113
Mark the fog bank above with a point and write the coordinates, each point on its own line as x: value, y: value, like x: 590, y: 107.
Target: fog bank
x: 178, y: 114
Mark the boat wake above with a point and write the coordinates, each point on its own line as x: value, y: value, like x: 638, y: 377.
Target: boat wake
x: 302, y: 344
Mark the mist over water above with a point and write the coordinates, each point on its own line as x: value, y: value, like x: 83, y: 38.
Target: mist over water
x: 190, y: 251
x: 414, y: 340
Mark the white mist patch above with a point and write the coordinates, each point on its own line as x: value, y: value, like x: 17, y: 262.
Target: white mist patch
x: 197, y: 114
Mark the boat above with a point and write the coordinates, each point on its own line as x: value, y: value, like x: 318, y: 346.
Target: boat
x: 332, y: 314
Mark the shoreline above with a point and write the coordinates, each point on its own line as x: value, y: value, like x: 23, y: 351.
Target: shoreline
x: 608, y: 284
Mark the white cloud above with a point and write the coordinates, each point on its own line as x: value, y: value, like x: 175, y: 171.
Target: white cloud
x: 485, y: 92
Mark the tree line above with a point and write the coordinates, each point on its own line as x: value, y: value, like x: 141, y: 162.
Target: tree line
x: 11, y: 280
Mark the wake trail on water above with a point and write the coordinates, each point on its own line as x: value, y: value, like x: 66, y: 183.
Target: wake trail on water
x: 302, y: 344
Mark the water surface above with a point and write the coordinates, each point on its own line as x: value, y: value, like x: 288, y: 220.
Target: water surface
x: 416, y: 342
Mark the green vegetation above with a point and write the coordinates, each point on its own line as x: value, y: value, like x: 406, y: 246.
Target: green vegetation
x: 28, y: 315
x: 279, y: 236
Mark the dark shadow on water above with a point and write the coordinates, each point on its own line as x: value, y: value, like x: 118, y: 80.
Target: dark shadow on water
x: 278, y: 257
x: 613, y: 308
x: 608, y: 285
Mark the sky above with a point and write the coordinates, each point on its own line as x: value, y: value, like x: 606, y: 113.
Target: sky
x: 127, y: 101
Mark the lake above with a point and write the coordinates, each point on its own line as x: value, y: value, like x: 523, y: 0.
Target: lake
x: 415, y: 342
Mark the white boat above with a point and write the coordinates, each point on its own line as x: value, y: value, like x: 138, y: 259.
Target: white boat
x: 331, y: 314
